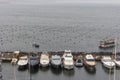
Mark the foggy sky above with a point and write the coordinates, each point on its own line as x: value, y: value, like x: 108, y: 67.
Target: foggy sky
x: 59, y: 1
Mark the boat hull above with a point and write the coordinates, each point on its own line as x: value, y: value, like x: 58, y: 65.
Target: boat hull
x: 78, y: 64
x: 21, y: 67
x: 89, y: 66
x: 108, y: 66
x: 68, y: 67
x: 34, y: 65
x: 44, y: 65
x: 55, y: 65
x: 117, y: 63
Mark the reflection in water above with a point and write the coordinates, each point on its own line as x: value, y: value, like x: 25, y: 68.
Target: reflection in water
x: 108, y: 71
x: 90, y: 70
x: 33, y: 70
x: 56, y: 71
x: 117, y: 68
x: 68, y: 72
x: 23, y: 68
x: 62, y: 74
x: 44, y: 69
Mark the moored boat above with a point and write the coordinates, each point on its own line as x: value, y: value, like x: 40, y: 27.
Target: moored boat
x: 107, y: 62
x: 35, y: 45
x: 23, y: 62
x: 67, y: 52
x: 117, y: 57
x: 44, y: 60
x: 117, y: 61
x: 34, y: 61
x: 104, y: 46
x: 68, y: 61
x: 79, y: 62
x: 89, y: 61
x: 110, y: 41
x: 56, y: 61
x: 107, y: 44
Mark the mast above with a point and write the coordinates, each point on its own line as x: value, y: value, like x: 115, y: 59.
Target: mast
x: 14, y: 72
x: 115, y: 58
x: 30, y: 67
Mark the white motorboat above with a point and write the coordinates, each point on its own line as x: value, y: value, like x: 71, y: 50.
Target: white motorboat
x: 108, y: 62
x: 68, y: 61
x: 56, y: 61
x: 117, y: 57
x: 44, y: 59
x: 67, y: 52
x: 117, y: 61
x: 89, y: 61
x: 23, y: 61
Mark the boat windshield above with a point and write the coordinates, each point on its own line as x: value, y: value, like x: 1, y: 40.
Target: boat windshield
x: 33, y: 58
x: 56, y: 59
x: 68, y: 56
x: 69, y: 60
x: 44, y: 58
x: 90, y: 60
x: 79, y: 61
x: 23, y: 58
x: 107, y: 60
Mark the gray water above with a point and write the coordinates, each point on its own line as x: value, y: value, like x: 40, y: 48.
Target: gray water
x: 57, y: 27
x: 50, y: 74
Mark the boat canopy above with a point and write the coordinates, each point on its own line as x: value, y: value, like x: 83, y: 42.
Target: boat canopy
x: 89, y: 57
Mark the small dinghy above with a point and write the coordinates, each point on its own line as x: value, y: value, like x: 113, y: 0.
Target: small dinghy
x: 36, y: 45
x: 79, y: 62
x: 14, y: 61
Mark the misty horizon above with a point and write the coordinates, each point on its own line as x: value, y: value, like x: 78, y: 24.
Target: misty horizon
x: 51, y: 2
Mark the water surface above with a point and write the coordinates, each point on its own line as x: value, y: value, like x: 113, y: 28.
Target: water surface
x: 57, y: 27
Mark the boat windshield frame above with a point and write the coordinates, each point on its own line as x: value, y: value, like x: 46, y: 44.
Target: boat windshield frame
x: 107, y: 60
x: 90, y: 59
x: 69, y: 60
x: 56, y: 59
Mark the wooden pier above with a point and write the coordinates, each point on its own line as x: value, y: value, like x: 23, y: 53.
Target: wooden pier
x: 7, y: 56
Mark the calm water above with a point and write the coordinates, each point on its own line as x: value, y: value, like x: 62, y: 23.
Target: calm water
x: 57, y: 27
x: 50, y: 74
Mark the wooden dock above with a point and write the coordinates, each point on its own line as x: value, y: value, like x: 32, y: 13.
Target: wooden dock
x: 7, y: 56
